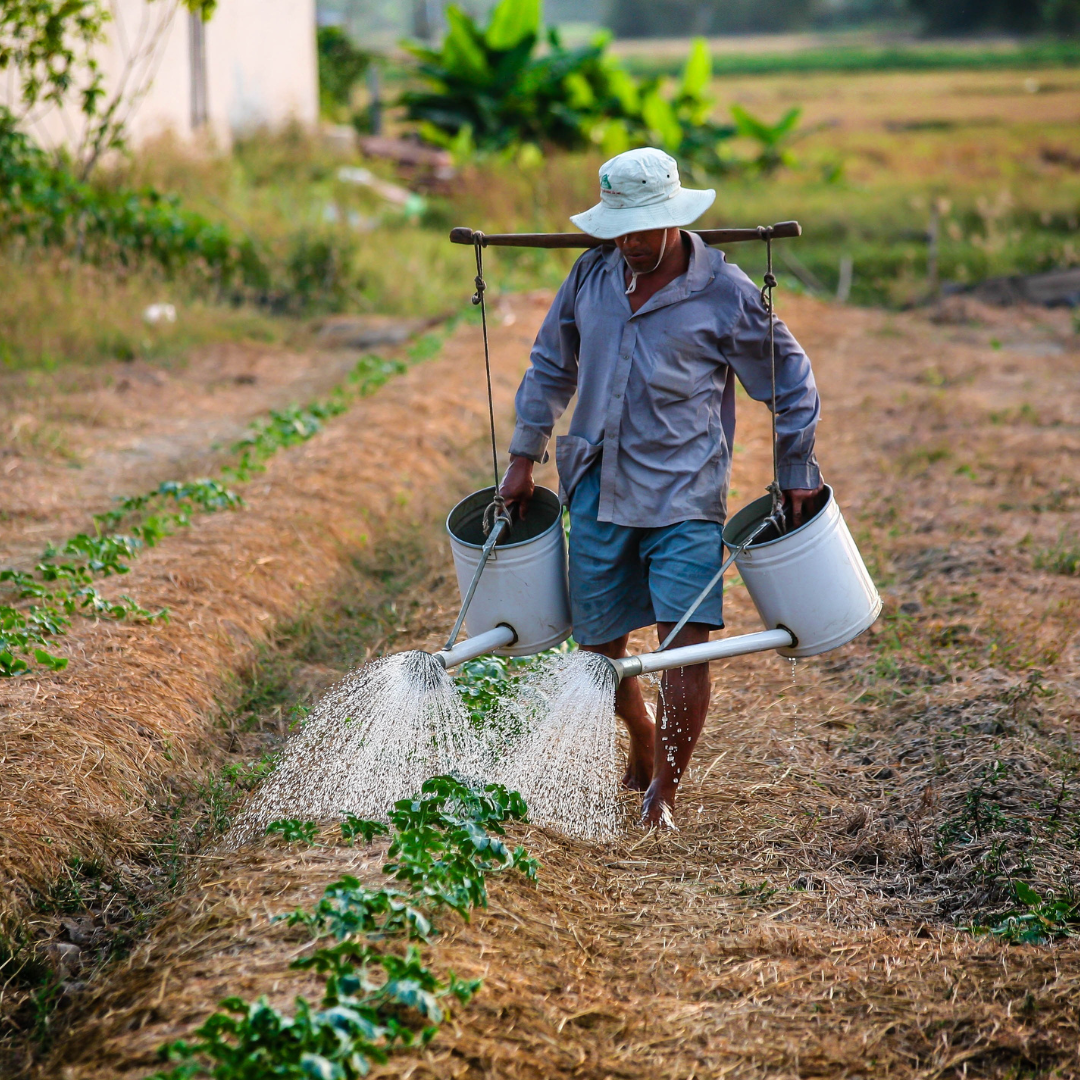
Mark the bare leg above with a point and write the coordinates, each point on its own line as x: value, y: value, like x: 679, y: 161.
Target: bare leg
x: 684, y: 701
x: 630, y: 706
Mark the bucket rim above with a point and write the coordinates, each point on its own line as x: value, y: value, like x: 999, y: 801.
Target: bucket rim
x: 734, y: 541
x: 488, y: 492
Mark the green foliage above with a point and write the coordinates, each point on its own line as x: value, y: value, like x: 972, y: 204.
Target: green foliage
x: 43, y: 203
x: 441, y: 847
x: 491, y: 90
x: 348, y: 909
x: 1038, y: 921
x: 294, y: 831
x: 484, y: 681
x: 487, y: 90
x: 374, y: 1000
x: 48, y: 45
x: 341, y: 65
x: 481, y: 683
x: 1062, y: 558
x: 352, y: 827
x: 774, y: 139
x: 980, y: 813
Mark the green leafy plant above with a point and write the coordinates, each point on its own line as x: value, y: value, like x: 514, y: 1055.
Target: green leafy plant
x: 1037, y: 922
x: 348, y: 908
x: 490, y: 90
x: 980, y: 813
x: 374, y: 1000
x: 484, y: 681
x: 294, y: 831
x: 441, y: 847
x: 773, y: 139
x: 481, y: 683
x: 352, y: 827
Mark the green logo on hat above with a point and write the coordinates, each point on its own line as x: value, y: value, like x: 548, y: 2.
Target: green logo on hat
x: 605, y: 183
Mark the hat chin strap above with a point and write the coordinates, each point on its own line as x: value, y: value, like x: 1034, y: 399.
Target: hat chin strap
x: 635, y: 274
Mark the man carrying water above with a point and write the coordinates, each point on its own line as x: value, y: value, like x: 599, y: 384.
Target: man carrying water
x: 648, y: 334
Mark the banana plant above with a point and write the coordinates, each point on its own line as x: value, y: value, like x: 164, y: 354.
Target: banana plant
x: 773, y: 139
x: 486, y: 90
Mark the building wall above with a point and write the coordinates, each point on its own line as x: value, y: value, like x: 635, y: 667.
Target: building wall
x: 260, y: 70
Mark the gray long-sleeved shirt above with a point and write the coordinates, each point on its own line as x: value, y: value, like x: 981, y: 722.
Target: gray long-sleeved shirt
x: 656, y: 400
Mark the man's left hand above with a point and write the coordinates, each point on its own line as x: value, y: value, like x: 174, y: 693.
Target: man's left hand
x: 802, y: 503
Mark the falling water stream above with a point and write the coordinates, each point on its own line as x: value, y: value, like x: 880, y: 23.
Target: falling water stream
x: 374, y: 738
x: 387, y: 727
x: 561, y: 749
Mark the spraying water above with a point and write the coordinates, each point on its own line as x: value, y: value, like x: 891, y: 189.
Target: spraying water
x: 373, y: 739
x: 560, y: 749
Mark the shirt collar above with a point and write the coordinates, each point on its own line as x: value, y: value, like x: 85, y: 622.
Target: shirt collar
x: 698, y: 274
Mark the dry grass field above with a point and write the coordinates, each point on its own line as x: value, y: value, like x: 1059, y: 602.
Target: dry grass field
x: 843, y: 822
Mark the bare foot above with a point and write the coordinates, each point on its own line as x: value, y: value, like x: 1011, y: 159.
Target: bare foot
x: 639, y: 761
x: 657, y: 809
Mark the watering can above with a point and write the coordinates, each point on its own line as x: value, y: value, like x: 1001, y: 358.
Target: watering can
x: 520, y: 600
x: 810, y: 586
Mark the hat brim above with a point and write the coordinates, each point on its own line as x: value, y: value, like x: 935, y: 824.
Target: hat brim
x: 608, y: 222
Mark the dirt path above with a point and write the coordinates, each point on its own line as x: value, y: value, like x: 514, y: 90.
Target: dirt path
x: 73, y: 442
x: 802, y: 921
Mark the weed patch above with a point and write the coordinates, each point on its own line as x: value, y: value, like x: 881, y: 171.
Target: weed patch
x: 1062, y: 558
x: 1037, y: 921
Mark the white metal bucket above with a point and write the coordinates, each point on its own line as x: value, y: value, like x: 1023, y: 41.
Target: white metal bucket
x: 811, y: 581
x: 524, y: 583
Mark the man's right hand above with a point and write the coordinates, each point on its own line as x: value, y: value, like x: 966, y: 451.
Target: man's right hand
x: 517, y: 486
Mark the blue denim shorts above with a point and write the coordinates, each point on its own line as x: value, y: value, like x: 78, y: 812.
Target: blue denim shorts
x: 623, y: 578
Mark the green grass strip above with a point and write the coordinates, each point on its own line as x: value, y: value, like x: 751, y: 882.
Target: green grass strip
x: 1047, y: 54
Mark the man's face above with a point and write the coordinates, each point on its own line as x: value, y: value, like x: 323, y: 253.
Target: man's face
x: 641, y: 250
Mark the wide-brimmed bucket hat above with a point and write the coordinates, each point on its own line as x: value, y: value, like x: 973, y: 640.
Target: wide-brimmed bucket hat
x: 640, y: 190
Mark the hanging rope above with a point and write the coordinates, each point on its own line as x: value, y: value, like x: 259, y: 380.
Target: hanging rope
x: 765, y: 232
x: 497, y: 509
x: 496, y: 515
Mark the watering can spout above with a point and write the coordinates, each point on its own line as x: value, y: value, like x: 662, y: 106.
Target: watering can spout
x: 688, y: 655
x: 499, y: 637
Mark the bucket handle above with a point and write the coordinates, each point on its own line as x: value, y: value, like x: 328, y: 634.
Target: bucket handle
x: 502, y: 521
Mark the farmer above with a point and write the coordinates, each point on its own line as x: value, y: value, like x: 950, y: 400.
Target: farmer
x: 648, y: 333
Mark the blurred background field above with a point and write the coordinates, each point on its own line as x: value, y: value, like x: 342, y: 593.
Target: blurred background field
x: 915, y: 166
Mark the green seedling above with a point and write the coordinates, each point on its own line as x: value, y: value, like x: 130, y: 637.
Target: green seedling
x: 374, y: 1000
x: 353, y: 827
x: 294, y: 831
x: 1038, y: 921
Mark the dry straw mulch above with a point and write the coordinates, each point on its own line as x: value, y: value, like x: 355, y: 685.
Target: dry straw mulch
x: 803, y: 920
x: 96, y: 758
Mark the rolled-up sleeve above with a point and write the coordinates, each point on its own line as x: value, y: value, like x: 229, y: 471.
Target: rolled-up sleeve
x: 798, y: 408
x: 551, y: 380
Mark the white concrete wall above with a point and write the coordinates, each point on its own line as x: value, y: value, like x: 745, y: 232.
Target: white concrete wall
x: 261, y: 70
